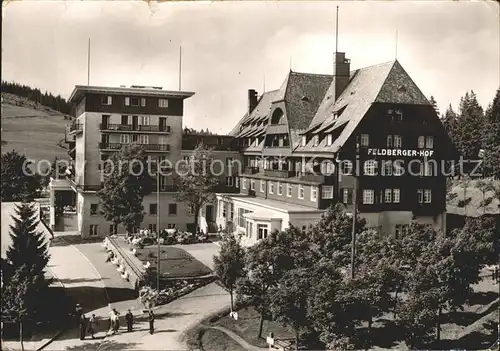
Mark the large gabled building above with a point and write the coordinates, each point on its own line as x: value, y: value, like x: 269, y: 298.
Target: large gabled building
x: 369, y: 133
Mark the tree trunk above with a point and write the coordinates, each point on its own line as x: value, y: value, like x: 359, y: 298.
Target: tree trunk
x: 21, y: 335
x: 261, y: 325
x: 296, y: 338
x: 232, y: 302
x: 370, y: 322
x: 395, y: 301
x: 438, y: 323
x: 196, y: 217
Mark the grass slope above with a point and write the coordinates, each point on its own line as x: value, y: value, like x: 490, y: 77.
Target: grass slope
x: 32, y: 129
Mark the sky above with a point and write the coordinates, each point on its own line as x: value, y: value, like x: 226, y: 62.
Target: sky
x: 447, y: 47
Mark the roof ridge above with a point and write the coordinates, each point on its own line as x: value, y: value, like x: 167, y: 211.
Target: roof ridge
x: 375, y: 65
x: 313, y: 74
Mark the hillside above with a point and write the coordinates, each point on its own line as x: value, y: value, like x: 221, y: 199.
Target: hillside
x: 32, y: 129
x: 473, y: 199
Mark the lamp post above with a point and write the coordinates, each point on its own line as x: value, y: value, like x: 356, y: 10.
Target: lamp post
x: 158, y: 227
x: 354, y: 209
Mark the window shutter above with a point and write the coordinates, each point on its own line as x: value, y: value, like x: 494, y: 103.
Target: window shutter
x: 143, y: 102
x: 127, y: 101
x: 349, y: 196
x: 110, y: 100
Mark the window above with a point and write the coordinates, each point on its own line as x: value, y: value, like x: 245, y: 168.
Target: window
x: 420, y: 196
x: 271, y: 188
x: 347, y: 196
x: 93, y: 230
x: 388, y: 196
x: 252, y: 185
x: 329, y: 139
x: 170, y: 225
x: 106, y: 100
x: 327, y: 192
x: 229, y: 181
x: 280, y: 188
x: 93, y: 209
x: 421, y: 142
x: 429, y: 142
x: 428, y: 170
x: 365, y: 139
x: 153, y: 209
x: 237, y: 182
x: 143, y: 102
x: 314, y: 193
x: 389, y: 141
x: 398, y: 116
x: 303, y: 141
x: 398, y: 168
x: 400, y: 230
x: 134, y: 101
x: 244, y: 183
x: 163, y: 103
x: 301, y: 191
x: 316, y: 140
x: 144, y: 139
x: 428, y: 196
x: 388, y: 168
x: 162, y: 140
x: 224, y: 209
x: 396, y: 196
x: 144, y: 120
x: 368, y: 196
x: 229, y: 162
x: 369, y: 167
x: 172, y: 209
x: 231, y: 211
x: 152, y: 227
x: 398, y: 141
x: 261, y: 231
x: 289, y: 190
x: 346, y: 167
x: 113, y: 229
x: 124, y: 139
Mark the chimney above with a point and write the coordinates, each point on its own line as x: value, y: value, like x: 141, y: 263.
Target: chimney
x: 341, y: 68
x: 252, y: 100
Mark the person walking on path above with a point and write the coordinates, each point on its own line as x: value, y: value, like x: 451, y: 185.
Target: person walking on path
x: 83, y: 325
x: 151, y: 322
x: 116, y: 324
x: 130, y: 320
x: 78, y: 313
x: 92, y: 324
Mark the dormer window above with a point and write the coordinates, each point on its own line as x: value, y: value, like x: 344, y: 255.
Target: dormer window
x: 277, y: 115
x: 316, y: 140
x: 329, y: 139
x: 303, y: 141
x: 305, y: 98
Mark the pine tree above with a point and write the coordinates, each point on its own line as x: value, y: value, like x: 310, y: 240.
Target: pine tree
x: 469, y: 127
x: 29, y: 247
x: 492, y: 138
x: 19, y: 182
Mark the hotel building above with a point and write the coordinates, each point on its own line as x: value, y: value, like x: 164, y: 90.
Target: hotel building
x: 108, y: 118
x: 367, y: 135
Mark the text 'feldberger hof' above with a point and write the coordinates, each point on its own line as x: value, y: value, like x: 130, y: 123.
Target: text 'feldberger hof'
x: 400, y: 152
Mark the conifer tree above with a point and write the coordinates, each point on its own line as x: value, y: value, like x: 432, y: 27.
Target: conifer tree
x: 19, y: 182
x: 29, y: 247
x: 469, y: 127
x: 434, y: 104
x: 492, y: 138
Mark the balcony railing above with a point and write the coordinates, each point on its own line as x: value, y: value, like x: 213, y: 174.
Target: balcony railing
x: 75, y: 128
x: 137, y: 128
x: 279, y: 173
x: 147, y: 147
x: 251, y: 170
x: 316, y: 177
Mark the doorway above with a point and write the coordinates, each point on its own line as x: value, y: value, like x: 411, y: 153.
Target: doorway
x: 209, y: 215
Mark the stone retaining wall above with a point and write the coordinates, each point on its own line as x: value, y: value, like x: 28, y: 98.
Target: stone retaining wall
x: 132, y: 268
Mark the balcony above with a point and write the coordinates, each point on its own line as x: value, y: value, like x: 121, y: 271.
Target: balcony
x: 131, y: 128
x: 75, y: 128
x: 251, y: 170
x: 147, y: 147
x: 279, y: 173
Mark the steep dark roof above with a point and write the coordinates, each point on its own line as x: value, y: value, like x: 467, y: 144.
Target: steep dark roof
x: 259, y: 113
x: 304, y: 92
x: 386, y: 82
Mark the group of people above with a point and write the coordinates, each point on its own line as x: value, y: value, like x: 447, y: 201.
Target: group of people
x: 90, y: 326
